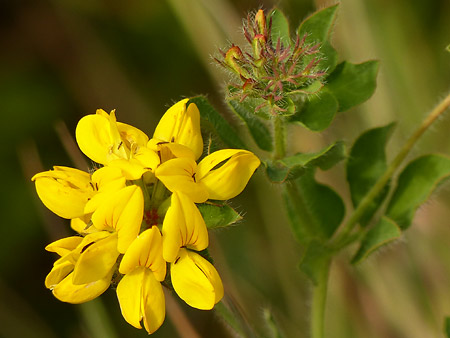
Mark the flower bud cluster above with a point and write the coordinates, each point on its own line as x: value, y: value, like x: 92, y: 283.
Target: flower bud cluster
x: 271, y: 70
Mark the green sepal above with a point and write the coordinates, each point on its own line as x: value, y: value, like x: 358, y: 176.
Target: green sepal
x: 218, y: 215
x: 211, y: 120
x: 384, y: 232
x: 291, y: 167
x: 366, y: 164
x: 317, y: 112
x: 315, y: 261
x: 318, y: 27
x: 280, y: 28
x: 314, y: 210
x: 352, y: 84
x: 415, y: 184
x: 258, y: 130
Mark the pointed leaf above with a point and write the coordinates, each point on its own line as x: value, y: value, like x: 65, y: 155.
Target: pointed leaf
x: 217, y: 123
x: 414, y: 186
x: 280, y: 28
x: 318, y: 28
x: 353, y: 84
x: 384, y: 232
x: 294, y: 166
x: 218, y: 215
x: 314, y: 210
x: 317, y: 112
x: 257, y: 128
x: 366, y: 164
x: 315, y: 261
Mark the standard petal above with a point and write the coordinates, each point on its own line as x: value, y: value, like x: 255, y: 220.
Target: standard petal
x: 129, y: 294
x: 179, y: 174
x: 145, y: 251
x: 65, y: 191
x: 122, y: 212
x: 96, y: 260
x: 153, y: 305
x: 94, y: 137
x: 182, y: 126
x: 228, y: 180
x: 196, y: 280
x: 68, y: 292
x: 130, y: 134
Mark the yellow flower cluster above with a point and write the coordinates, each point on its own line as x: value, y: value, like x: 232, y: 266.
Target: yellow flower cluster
x: 136, y: 215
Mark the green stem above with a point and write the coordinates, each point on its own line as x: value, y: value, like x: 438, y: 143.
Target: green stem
x: 319, y: 298
x: 279, y: 127
x: 383, y: 180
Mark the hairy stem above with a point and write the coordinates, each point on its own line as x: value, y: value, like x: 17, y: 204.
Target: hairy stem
x: 383, y: 180
x: 279, y: 127
x: 319, y: 298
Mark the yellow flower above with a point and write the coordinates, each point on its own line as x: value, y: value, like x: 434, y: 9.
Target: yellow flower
x: 65, y: 191
x: 140, y: 292
x: 85, y: 268
x: 183, y: 226
x: 72, y: 193
x: 122, y: 212
x: 181, y: 125
x: 108, y: 142
x: 196, y: 280
x: 220, y: 176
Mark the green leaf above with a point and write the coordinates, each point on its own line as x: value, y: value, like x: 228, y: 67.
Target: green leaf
x: 415, y: 184
x: 257, y: 128
x: 352, y: 84
x: 315, y: 261
x: 318, y: 28
x: 218, y: 215
x: 280, y: 28
x: 385, y: 231
x: 212, y: 119
x: 447, y: 326
x: 317, y: 113
x: 292, y: 167
x: 366, y: 164
x: 314, y: 210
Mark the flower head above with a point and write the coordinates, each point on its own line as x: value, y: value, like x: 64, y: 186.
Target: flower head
x: 136, y: 214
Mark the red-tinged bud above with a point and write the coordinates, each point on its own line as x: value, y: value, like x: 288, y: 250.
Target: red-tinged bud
x: 232, y: 56
x: 258, y: 45
x: 260, y: 21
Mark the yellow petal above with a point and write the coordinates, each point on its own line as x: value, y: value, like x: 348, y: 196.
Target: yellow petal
x: 145, y: 251
x: 182, y: 126
x: 65, y: 245
x: 196, y: 280
x: 65, y: 191
x: 130, y: 135
x: 183, y: 226
x: 153, y: 305
x: 129, y: 294
x: 58, y: 273
x: 179, y: 174
x: 122, y: 212
x: 68, y: 292
x: 94, y: 137
x: 228, y: 180
x: 83, y: 225
x: 105, y: 181
x: 96, y: 260
x: 141, y: 298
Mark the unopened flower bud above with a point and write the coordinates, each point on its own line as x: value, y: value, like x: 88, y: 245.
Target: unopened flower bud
x: 260, y: 21
x: 233, y: 55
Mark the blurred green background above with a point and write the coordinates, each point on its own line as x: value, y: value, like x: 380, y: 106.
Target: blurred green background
x: 63, y: 59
